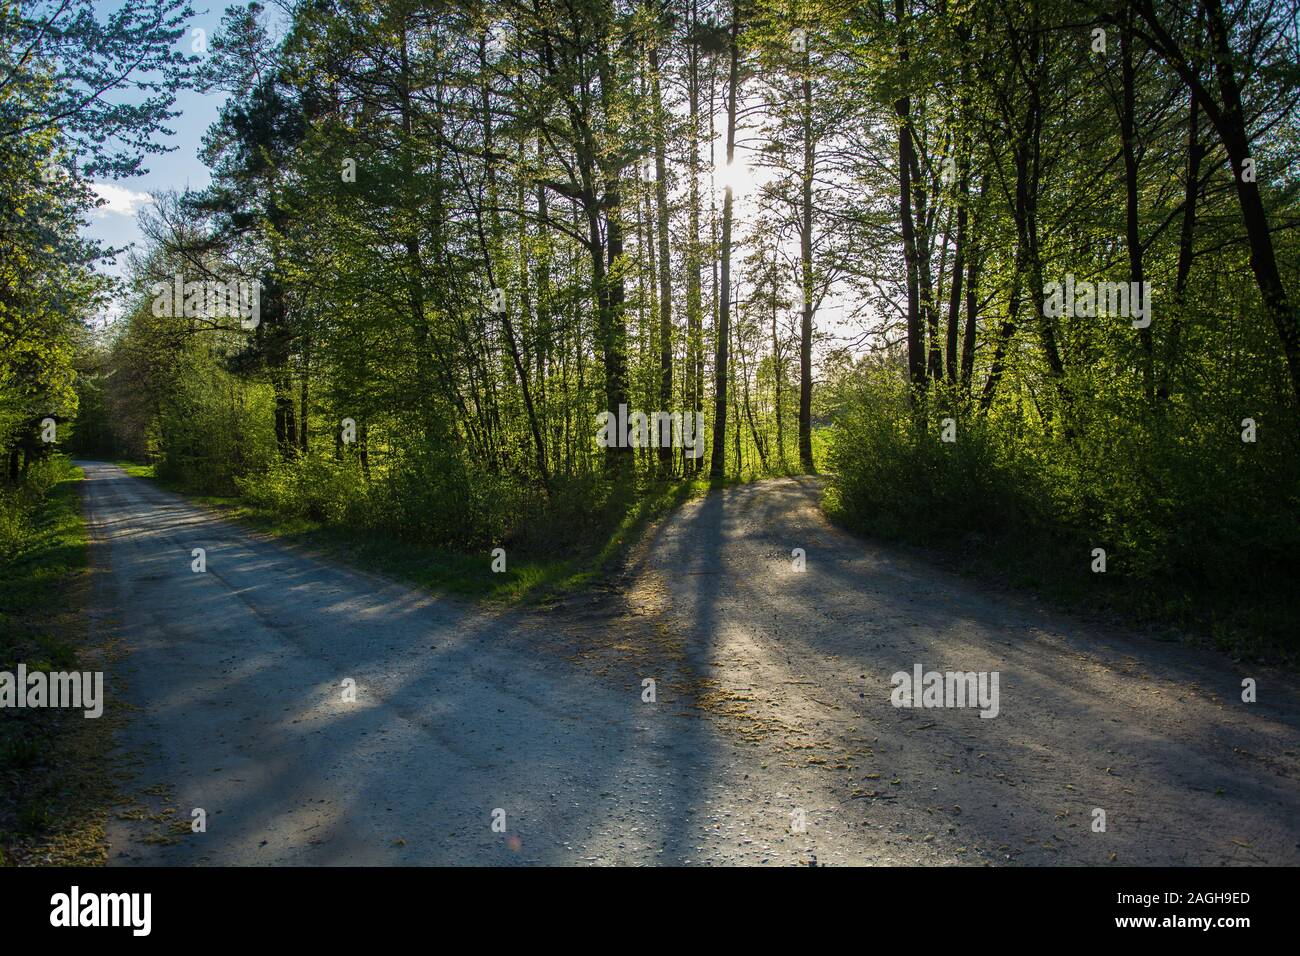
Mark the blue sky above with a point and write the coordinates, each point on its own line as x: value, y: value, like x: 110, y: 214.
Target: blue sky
x: 116, y: 222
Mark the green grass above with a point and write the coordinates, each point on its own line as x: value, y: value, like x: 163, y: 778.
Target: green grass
x: 46, y: 546
x: 54, y: 788
x: 135, y: 469
x: 532, y: 576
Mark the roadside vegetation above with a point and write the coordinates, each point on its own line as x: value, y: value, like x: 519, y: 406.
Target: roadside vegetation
x: 442, y: 244
x: 557, y: 554
x: 54, y: 787
x: 1198, y: 528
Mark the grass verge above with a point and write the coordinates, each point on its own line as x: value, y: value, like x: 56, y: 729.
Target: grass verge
x: 533, y: 575
x: 54, y: 789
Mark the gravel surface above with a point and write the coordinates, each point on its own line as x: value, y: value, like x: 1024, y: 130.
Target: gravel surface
x: 771, y: 738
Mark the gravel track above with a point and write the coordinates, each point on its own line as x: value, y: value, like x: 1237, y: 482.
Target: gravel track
x: 772, y: 708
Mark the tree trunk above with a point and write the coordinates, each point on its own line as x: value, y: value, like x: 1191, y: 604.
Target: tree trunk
x: 694, y: 292
x: 718, y: 463
x: 665, y: 260
x: 806, y: 273
x: 958, y: 263
x: 1133, y: 238
x: 906, y: 159
x: 1228, y: 118
x: 1186, y: 242
x: 972, y: 302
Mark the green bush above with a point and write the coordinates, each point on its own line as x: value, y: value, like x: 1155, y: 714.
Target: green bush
x: 434, y: 496
x: 213, y: 431
x: 1198, y: 526
x: 20, y: 500
x: 315, y: 488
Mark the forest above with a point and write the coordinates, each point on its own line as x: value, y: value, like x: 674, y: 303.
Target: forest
x: 1018, y: 278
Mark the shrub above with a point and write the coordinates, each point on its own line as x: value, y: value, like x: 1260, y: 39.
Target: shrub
x: 1198, y: 527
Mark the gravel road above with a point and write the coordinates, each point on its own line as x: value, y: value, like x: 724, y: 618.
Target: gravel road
x: 771, y: 737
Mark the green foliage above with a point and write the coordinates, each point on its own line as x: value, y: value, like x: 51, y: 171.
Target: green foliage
x: 53, y: 784
x: 64, y: 67
x: 1197, y: 525
x: 60, y: 59
x: 928, y: 170
x: 317, y: 489
x: 37, y: 515
x: 212, y: 430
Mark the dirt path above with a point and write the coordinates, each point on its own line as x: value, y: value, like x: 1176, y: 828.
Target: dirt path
x: 772, y: 707
x: 1155, y: 734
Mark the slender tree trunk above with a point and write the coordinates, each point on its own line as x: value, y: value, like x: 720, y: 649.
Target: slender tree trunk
x: 778, y: 369
x: 972, y: 301
x: 1186, y: 242
x: 1133, y: 238
x: 759, y: 444
x: 806, y: 272
x: 665, y: 260
x: 303, y: 394
x: 958, y: 264
x: 906, y: 160
x: 1229, y: 121
x: 414, y: 253
x: 694, y: 293
x: 718, y: 463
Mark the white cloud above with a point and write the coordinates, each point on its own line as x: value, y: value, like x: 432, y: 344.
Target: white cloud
x: 120, y: 201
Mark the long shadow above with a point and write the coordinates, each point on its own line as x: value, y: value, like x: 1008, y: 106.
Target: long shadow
x: 694, y: 740
x: 873, y: 614
x: 453, y: 721
x: 458, y: 717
